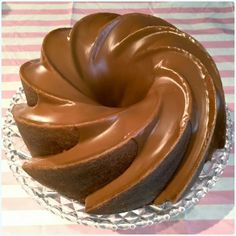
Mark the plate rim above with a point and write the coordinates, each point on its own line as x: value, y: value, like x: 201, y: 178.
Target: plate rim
x: 169, y: 210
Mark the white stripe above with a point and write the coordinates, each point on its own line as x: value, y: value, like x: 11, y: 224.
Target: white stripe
x: 31, y: 217
x: 212, y: 37
x: 210, y: 212
x: 3, y: 121
x: 229, y: 98
x: 40, y: 6
x: 30, y: 28
x: 224, y: 184
x: 203, y: 26
x: 231, y: 160
x: 10, y: 69
x: 38, y: 16
x: 227, y: 82
x: 5, y: 166
x: 225, y: 66
x: 23, y: 41
x: 5, y: 103
x: 19, y: 55
x: 13, y: 191
x: 10, y: 85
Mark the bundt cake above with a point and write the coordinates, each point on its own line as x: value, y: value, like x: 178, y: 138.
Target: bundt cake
x: 122, y: 111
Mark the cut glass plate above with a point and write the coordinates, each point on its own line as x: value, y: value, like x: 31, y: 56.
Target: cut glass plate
x: 73, y: 211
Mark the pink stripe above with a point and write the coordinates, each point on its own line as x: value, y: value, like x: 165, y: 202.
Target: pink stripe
x: 8, y: 178
x: 4, y: 110
x: 10, y: 77
x: 36, y: 2
x: 229, y: 89
x: 231, y: 106
x: 232, y: 150
x: 227, y: 73
x: 186, y: 227
x: 223, y: 58
x: 8, y: 94
x: 65, y: 229
x: 23, y: 34
x: 219, y: 44
x: 3, y: 152
x: 13, y: 62
x: 218, y: 197
x: 123, y: 11
x: 210, y: 31
x: 35, y: 23
x: 228, y: 171
x: 18, y: 204
x: 201, y: 20
x: 13, y: 48
x: 35, y: 11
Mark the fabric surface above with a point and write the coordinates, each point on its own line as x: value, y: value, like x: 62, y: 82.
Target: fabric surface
x: 23, y: 27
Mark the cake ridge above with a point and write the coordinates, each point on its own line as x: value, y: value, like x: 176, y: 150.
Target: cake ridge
x: 148, y: 91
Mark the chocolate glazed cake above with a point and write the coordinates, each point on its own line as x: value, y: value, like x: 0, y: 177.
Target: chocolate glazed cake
x: 122, y: 111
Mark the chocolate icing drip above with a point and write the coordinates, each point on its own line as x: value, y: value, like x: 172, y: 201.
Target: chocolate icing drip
x: 132, y: 105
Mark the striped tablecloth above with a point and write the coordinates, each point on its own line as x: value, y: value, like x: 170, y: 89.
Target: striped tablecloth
x: 23, y: 27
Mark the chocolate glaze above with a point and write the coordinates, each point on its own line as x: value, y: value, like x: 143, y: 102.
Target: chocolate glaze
x: 133, y: 106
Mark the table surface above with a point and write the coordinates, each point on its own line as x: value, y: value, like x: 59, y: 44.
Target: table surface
x: 23, y: 27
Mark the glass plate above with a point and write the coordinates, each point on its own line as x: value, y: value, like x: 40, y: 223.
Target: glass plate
x: 73, y: 211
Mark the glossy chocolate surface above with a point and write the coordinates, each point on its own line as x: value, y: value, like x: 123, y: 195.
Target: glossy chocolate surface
x: 111, y: 77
